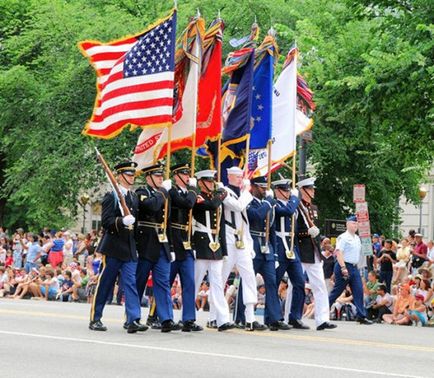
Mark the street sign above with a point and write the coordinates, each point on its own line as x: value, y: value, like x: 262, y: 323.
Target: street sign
x: 334, y: 227
x: 366, y: 246
x: 359, y: 192
x: 364, y: 229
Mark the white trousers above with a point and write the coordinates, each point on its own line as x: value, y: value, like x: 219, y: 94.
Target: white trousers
x: 242, y: 260
x: 315, y: 274
x: 216, y: 296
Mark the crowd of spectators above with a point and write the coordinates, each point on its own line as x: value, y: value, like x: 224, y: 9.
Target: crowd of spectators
x: 64, y: 266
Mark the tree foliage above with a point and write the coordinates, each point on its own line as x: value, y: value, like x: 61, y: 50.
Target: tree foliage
x: 370, y: 64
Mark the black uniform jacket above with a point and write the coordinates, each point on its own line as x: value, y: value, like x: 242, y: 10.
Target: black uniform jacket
x: 150, y: 223
x: 118, y: 240
x: 211, y: 203
x: 307, y: 246
x: 181, y: 204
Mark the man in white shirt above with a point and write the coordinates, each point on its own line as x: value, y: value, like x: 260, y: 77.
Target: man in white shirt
x: 348, y: 252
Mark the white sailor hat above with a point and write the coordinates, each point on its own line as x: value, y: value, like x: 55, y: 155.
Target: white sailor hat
x: 306, y: 183
x: 282, y: 184
x: 207, y: 174
x: 235, y: 171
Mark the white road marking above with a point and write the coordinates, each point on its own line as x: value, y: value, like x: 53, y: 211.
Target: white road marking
x: 208, y: 354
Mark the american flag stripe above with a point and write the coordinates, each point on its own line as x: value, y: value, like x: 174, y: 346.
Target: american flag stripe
x: 135, y: 79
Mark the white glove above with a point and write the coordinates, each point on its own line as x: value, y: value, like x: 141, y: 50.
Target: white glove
x: 225, y: 258
x: 192, y: 182
x: 220, y: 185
x: 246, y: 182
x: 295, y: 192
x: 252, y: 253
x: 313, y: 231
x: 128, y: 220
x: 167, y: 184
x: 276, y: 264
x: 269, y: 193
x: 172, y: 256
x: 194, y: 253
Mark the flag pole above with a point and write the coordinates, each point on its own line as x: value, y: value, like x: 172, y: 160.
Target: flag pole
x: 193, y: 140
x: 267, y: 219
x: 291, y: 254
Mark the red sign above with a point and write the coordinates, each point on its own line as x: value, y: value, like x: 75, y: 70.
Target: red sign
x: 364, y: 229
x: 362, y: 212
x: 359, y: 192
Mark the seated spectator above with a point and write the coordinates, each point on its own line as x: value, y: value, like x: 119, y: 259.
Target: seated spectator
x: 50, y: 286
x: 343, y: 308
x: 282, y: 293
x: 176, y: 293
x: 417, y: 311
x: 403, y: 302
x: 91, y: 285
x: 261, y: 297
x: 202, y: 296
x: 24, y: 284
x: 9, y: 259
x: 370, y: 288
x: 2, y: 255
x: 4, y: 281
x: 66, y: 288
x: 422, y: 287
x: 309, y: 302
x: 383, y: 304
x: 79, y: 293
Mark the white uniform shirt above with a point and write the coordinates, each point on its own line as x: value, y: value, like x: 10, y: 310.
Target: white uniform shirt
x: 350, y: 247
x: 238, y: 205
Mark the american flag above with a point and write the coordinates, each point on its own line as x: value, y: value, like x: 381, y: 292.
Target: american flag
x: 135, y: 79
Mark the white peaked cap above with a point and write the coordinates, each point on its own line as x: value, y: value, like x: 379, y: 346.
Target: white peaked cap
x: 235, y: 171
x: 310, y: 181
x: 207, y: 173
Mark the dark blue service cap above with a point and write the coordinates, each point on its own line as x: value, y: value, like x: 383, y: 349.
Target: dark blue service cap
x: 183, y: 168
x: 351, y: 218
x: 259, y: 181
x: 127, y: 167
x: 156, y: 169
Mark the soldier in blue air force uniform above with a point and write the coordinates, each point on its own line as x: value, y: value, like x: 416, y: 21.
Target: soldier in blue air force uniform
x: 289, y: 261
x: 119, y: 251
x: 153, y: 244
x: 183, y: 197
x: 261, y: 207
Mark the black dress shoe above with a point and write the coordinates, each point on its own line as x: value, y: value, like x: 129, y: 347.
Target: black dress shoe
x: 275, y: 326
x: 169, y: 325
x: 226, y: 326
x: 153, y: 322
x: 255, y: 326
x: 136, y: 326
x: 97, y: 326
x: 298, y: 324
x: 239, y: 325
x: 326, y: 325
x: 125, y: 325
x: 211, y: 324
x: 364, y: 321
x: 191, y: 326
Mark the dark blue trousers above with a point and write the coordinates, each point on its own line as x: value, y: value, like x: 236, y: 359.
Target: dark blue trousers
x: 356, y: 286
x: 110, y: 269
x: 185, y: 269
x: 296, y: 276
x: 160, y: 278
x: 272, y: 305
x: 386, y: 277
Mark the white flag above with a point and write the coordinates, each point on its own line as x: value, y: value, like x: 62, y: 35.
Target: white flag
x: 283, y: 129
x: 147, y: 148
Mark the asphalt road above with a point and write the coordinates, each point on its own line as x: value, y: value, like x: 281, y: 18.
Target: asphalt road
x: 50, y: 339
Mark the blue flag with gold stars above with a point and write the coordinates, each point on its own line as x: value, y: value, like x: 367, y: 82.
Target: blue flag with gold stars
x: 262, y: 102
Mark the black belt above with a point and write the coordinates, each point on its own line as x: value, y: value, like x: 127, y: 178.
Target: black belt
x: 351, y: 264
